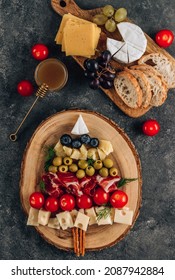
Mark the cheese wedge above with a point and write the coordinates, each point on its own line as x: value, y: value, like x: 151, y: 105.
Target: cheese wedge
x: 82, y: 221
x: 80, y: 127
x: 53, y: 223
x: 43, y: 217
x: 59, y: 150
x: 90, y: 212
x: 105, y: 146
x: 33, y: 217
x: 123, y: 216
x: 65, y: 220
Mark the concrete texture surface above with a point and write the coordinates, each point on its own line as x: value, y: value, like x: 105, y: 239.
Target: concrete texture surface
x: 25, y: 23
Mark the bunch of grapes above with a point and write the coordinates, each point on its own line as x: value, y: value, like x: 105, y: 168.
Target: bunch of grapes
x: 99, y: 71
x: 110, y: 17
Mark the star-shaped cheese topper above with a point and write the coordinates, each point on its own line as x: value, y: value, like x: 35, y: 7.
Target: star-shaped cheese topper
x: 80, y: 127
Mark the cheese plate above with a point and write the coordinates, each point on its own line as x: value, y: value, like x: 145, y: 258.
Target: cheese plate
x: 69, y: 6
x: 124, y: 156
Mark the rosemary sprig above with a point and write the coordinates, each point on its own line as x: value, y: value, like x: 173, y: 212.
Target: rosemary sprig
x: 125, y: 181
x: 103, y: 213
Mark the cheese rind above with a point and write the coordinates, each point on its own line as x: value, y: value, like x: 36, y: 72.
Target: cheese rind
x: 65, y: 220
x: 33, y: 217
x: 82, y: 221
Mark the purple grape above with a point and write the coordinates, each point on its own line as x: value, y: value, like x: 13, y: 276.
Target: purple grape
x: 92, y: 65
x: 106, y: 84
x: 90, y: 75
x: 108, y: 76
x: 106, y: 56
x: 94, y: 84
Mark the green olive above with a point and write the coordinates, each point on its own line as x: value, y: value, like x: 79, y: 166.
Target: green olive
x: 52, y: 169
x: 57, y: 161
x: 113, y: 171
x: 98, y: 164
x: 104, y: 172
x: 108, y: 162
x: 73, y: 167
x: 67, y: 160
x: 90, y: 170
x: 63, y: 168
x: 82, y: 163
x: 80, y: 174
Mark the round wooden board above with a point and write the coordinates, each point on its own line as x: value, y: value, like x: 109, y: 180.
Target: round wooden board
x: 125, y: 157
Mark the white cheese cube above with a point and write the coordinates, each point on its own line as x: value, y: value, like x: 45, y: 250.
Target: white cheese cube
x: 65, y: 220
x: 81, y: 210
x: 53, y: 223
x: 33, y: 217
x: 104, y: 220
x: 74, y: 213
x: 123, y: 216
x: 82, y: 221
x: 92, y: 215
x: 80, y: 127
x: 43, y: 217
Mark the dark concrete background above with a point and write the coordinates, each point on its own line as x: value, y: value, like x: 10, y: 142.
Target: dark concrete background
x: 25, y: 23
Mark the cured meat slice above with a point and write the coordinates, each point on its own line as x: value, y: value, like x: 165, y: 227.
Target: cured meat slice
x: 108, y: 183
x: 53, y: 185
x: 70, y: 182
x: 88, y: 185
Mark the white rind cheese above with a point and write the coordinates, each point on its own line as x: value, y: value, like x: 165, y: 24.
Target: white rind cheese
x: 90, y: 212
x: 43, y: 217
x: 133, y: 45
x: 33, y: 217
x: 123, y: 216
x: 65, y: 220
x: 82, y: 221
x: 80, y: 127
x: 53, y: 223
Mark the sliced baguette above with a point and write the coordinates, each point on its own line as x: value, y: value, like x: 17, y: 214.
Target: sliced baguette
x: 158, y: 87
x: 128, y: 89
x: 144, y: 85
x: 163, y: 65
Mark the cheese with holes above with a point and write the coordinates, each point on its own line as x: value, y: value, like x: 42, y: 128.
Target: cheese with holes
x: 43, y: 217
x: 82, y: 221
x: 133, y: 45
x: 65, y: 220
x: 90, y: 212
x: 78, y: 36
x: 53, y: 223
x: 33, y: 217
x: 123, y: 216
x: 80, y: 127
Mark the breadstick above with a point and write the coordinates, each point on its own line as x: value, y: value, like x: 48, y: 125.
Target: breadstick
x: 77, y: 242
x: 83, y: 241
x: 74, y: 240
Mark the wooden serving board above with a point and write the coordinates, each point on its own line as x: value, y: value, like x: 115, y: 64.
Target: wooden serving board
x: 125, y: 157
x: 69, y: 6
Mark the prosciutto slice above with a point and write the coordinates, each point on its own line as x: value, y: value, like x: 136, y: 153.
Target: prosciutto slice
x: 53, y: 185
x: 70, y: 182
x: 88, y: 185
x: 108, y: 183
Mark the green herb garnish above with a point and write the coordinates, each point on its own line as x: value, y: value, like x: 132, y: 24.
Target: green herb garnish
x: 90, y: 161
x: 103, y: 213
x: 125, y: 181
x: 50, y: 154
x: 42, y: 185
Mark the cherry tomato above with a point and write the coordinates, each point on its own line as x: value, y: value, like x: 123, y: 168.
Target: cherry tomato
x: 100, y: 196
x: 118, y: 199
x: 164, y: 38
x: 51, y: 204
x: 67, y: 202
x: 25, y: 88
x: 40, y: 52
x: 84, y: 201
x: 36, y: 200
x: 150, y: 127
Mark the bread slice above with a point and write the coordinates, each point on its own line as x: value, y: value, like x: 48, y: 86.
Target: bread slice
x: 163, y: 65
x: 144, y: 85
x: 128, y: 89
x: 158, y: 87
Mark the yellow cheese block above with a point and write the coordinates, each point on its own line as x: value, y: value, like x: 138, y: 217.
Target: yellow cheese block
x: 65, y: 18
x: 79, y: 39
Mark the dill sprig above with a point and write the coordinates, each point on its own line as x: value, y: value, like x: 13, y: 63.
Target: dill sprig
x: 125, y: 181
